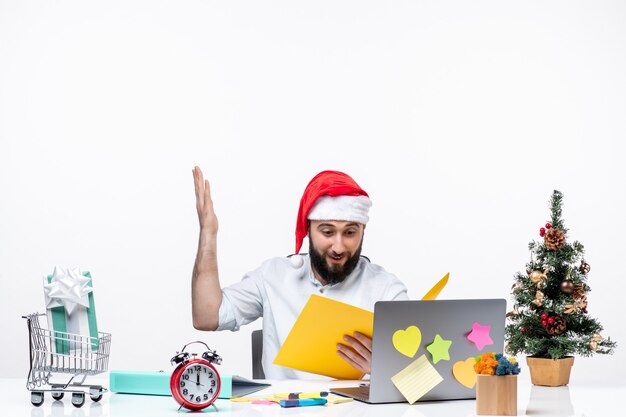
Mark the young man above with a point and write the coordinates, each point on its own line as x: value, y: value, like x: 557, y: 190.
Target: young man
x: 333, y: 213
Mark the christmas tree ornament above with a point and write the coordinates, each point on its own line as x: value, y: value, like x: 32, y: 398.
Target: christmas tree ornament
x: 534, y: 276
x: 514, y: 312
x: 554, y: 239
x: 538, y: 298
x: 584, y: 267
x: 595, y: 339
x: 538, y: 277
x: 567, y: 287
x: 515, y: 288
x: 577, y: 306
x: 579, y: 291
x: 556, y: 325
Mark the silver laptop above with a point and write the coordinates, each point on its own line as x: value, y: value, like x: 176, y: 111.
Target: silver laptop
x: 452, y: 320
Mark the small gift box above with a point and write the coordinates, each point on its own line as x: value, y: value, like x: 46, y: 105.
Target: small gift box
x: 71, y: 311
x: 496, y: 385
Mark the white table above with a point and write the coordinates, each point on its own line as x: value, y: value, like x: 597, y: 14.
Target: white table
x: 574, y: 400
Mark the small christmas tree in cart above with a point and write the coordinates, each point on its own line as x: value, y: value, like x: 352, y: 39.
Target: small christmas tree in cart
x: 550, y: 320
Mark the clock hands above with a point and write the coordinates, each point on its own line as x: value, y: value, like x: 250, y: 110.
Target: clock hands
x: 198, y: 384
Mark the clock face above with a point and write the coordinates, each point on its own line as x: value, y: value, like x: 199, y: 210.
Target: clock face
x: 198, y: 384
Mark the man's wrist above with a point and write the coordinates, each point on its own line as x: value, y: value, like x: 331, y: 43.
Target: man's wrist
x: 207, y: 239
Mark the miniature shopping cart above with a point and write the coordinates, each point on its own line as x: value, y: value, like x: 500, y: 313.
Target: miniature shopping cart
x: 53, y: 352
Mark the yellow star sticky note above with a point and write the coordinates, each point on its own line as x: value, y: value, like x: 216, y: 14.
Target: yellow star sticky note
x: 416, y: 379
x: 439, y: 349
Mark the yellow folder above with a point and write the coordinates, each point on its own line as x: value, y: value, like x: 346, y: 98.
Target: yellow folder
x: 436, y: 289
x: 311, y: 345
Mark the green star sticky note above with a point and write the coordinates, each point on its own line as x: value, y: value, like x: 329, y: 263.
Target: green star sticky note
x: 439, y: 349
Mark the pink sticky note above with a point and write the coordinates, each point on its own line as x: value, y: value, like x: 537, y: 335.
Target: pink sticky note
x: 263, y: 402
x: 480, y: 335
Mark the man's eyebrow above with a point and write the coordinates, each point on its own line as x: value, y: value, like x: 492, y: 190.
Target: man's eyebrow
x: 325, y: 225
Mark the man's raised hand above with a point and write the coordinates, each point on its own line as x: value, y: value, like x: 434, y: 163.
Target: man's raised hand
x: 204, y: 204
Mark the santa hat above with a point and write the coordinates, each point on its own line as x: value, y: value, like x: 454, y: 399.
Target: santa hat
x: 331, y: 195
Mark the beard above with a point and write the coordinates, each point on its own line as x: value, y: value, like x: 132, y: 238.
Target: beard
x: 333, y: 274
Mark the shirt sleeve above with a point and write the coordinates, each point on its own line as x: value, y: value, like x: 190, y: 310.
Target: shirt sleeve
x: 396, y: 290
x: 242, y: 302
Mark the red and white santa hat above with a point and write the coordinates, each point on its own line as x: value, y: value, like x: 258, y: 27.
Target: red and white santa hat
x: 331, y: 195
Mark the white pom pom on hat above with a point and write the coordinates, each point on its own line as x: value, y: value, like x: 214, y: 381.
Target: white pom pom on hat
x: 296, y: 261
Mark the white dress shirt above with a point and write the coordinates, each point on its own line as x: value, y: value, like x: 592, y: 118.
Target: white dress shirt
x: 277, y: 291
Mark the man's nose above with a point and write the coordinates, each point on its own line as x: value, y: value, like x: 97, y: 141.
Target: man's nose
x: 338, y: 245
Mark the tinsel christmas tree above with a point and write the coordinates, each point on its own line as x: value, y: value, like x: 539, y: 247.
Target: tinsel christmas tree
x: 550, y: 317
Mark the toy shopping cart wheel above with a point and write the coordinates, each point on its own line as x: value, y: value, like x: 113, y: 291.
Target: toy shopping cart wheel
x: 53, y: 352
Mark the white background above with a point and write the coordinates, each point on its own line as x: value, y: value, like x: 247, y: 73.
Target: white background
x: 458, y: 117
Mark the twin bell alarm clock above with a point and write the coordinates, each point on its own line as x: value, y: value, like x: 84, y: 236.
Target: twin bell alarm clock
x: 195, y: 383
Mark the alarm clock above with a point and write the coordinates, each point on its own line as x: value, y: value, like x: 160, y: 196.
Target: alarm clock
x: 195, y: 383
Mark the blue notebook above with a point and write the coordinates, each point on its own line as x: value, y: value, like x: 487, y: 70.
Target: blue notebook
x: 158, y: 383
